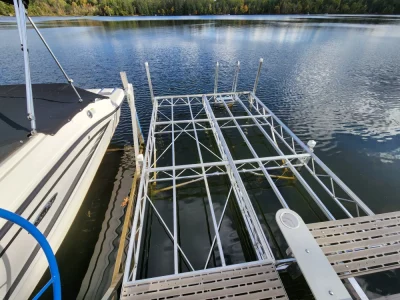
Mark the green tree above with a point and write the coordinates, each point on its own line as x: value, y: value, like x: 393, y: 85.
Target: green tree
x: 185, y: 7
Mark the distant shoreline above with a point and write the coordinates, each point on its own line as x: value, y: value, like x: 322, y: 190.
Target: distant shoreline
x: 179, y: 8
x: 209, y: 15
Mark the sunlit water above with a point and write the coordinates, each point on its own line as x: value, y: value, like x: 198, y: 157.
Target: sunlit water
x: 333, y: 79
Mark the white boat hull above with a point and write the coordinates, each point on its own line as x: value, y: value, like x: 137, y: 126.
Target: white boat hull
x: 46, y: 184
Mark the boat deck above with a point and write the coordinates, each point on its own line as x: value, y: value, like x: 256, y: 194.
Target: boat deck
x: 55, y: 105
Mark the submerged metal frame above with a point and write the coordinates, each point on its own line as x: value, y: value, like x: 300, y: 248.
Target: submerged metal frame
x: 291, y: 155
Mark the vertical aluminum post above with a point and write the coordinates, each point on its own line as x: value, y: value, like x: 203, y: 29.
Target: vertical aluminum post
x: 70, y: 81
x: 258, y: 76
x: 235, y: 78
x: 146, y: 64
x: 20, y: 9
x: 131, y: 101
x: 216, y: 78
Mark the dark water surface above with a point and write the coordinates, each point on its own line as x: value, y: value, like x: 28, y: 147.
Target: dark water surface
x: 329, y: 78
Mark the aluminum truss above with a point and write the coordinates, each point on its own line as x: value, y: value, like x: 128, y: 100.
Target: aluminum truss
x: 214, y: 113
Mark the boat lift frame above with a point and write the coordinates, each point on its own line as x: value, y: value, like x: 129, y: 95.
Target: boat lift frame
x: 292, y: 155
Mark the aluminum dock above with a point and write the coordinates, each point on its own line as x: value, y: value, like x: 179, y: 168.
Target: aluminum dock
x: 350, y: 241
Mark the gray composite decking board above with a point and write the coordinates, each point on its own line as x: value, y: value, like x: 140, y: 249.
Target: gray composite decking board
x: 333, y: 249
x: 353, y: 221
x: 255, y: 281
x: 356, y: 227
x: 360, y: 246
x: 389, y: 297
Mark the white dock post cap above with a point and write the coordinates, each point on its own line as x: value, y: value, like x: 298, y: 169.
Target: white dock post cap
x: 140, y: 159
x: 146, y: 64
x: 261, y: 60
x: 311, y: 144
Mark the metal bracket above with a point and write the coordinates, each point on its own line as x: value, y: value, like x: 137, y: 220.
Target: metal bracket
x: 318, y: 272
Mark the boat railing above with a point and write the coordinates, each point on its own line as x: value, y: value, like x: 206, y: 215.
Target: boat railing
x: 44, y: 244
x: 21, y: 17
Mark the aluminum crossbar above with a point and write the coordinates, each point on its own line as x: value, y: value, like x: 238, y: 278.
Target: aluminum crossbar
x: 207, y: 120
x: 161, y: 98
x: 236, y: 162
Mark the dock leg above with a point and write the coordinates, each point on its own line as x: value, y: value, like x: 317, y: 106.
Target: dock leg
x: 131, y: 101
x: 155, y: 161
x: 146, y: 64
x: 235, y: 78
x: 216, y: 81
x: 256, y: 81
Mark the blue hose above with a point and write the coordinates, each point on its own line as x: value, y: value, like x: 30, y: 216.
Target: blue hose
x: 41, y: 239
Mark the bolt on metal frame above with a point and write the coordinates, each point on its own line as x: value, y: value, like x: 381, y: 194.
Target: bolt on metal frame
x: 291, y: 155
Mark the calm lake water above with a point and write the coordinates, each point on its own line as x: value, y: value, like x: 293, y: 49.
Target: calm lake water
x: 329, y: 78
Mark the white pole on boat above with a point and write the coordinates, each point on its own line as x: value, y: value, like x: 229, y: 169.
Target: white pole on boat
x: 235, y: 78
x: 16, y: 7
x: 146, y: 64
x: 21, y: 22
x: 131, y: 101
x: 258, y: 76
x: 70, y: 81
x: 216, y: 79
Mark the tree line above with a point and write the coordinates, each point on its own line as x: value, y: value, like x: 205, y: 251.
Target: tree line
x: 205, y: 7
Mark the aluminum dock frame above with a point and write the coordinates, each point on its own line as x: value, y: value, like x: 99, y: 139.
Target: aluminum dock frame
x: 204, y: 117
